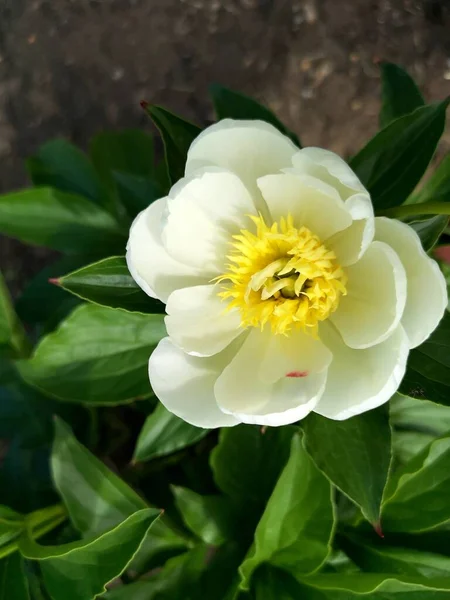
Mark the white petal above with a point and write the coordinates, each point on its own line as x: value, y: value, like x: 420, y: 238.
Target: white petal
x: 351, y: 243
x: 274, y: 380
x: 376, y: 296
x: 360, y: 380
x: 157, y: 273
x: 185, y: 384
x: 204, y: 211
x: 427, y: 291
x: 311, y: 203
x: 330, y: 168
x: 197, y: 321
x: 250, y: 149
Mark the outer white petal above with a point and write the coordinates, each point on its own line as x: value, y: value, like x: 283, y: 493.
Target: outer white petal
x: 204, y: 211
x: 427, y: 290
x: 360, y: 380
x: 157, y: 273
x: 376, y: 297
x: 259, y: 385
x: 330, y: 168
x: 185, y: 384
x: 311, y: 203
x: 197, y: 320
x: 351, y: 243
x: 250, y: 149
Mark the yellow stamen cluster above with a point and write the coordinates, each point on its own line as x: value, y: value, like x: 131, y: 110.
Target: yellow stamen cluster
x: 283, y: 276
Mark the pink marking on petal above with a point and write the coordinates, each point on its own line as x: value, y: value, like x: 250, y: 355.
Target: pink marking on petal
x: 297, y: 374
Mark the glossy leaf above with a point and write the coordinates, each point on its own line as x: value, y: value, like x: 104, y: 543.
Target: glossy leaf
x: 177, y: 135
x: 354, y: 459
x: 246, y: 465
x: 13, y: 340
x: 416, y: 495
x: 97, y: 356
x: 163, y: 433
x: 136, y: 192
x: 400, y: 94
x: 393, y: 162
x: 234, y: 105
x: 96, y: 498
x: 208, y: 517
x: 80, y: 570
x: 296, y: 528
x: 61, y: 165
x: 61, y: 221
x: 437, y: 187
x: 109, y: 283
x: 13, y: 583
x: 430, y: 230
x: 428, y: 373
x: 402, y: 561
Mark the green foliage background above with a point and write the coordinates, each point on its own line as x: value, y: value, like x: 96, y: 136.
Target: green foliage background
x: 88, y: 458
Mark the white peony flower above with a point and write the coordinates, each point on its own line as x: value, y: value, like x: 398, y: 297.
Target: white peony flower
x: 284, y: 294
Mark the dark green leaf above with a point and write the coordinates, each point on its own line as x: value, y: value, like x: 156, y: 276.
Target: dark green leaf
x: 234, y: 105
x: 47, y: 217
x: 354, y: 454
x: 136, y: 192
x: 437, y: 188
x: 109, y: 283
x: 296, y: 528
x: 428, y: 372
x: 402, y: 561
x: 61, y: 165
x: 208, y: 517
x: 80, y: 570
x: 97, y: 356
x: 13, y: 340
x: 416, y: 495
x: 411, y: 414
x: 430, y: 230
x: 393, y: 162
x: 44, y: 303
x: 163, y: 433
x: 177, y: 135
x: 96, y: 498
x: 13, y: 583
x: 400, y: 94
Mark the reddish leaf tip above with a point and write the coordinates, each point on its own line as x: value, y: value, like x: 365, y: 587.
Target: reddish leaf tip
x: 54, y: 281
x: 378, y: 529
x: 144, y: 104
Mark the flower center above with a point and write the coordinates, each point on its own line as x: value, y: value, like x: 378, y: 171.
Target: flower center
x: 283, y: 276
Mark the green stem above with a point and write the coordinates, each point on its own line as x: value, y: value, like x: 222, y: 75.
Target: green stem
x: 409, y: 210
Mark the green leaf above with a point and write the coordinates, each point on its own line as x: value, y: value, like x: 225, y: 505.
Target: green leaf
x: 437, y: 188
x: 13, y: 340
x: 80, y: 570
x: 246, y: 465
x: 128, y: 151
x: 11, y: 525
x: 61, y: 165
x: 400, y: 94
x: 229, y: 104
x: 163, y: 433
x: 430, y: 230
x: 208, y: 517
x: 177, y: 135
x: 354, y: 459
x: 13, y: 583
x: 97, y: 356
x: 96, y: 498
x: 108, y: 282
x: 393, y: 162
x: 136, y: 192
x: 412, y: 414
x: 402, y: 561
x: 428, y: 372
x: 296, y: 528
x: 416, y: 495
x: 65, y: 222
x: 44, y: 303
